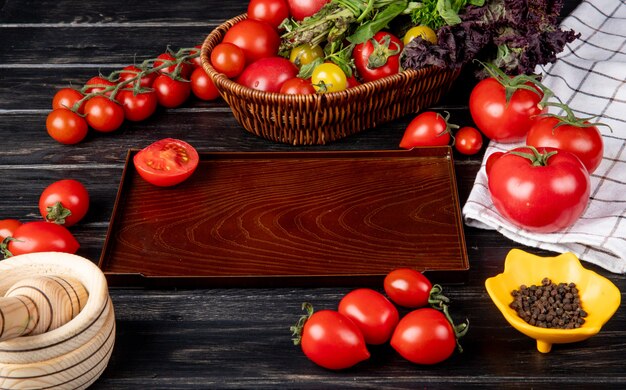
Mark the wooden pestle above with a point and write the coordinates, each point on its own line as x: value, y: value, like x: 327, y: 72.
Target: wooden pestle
x: 39, y: 304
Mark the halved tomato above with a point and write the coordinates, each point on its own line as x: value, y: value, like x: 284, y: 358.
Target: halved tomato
x: 166, y: 162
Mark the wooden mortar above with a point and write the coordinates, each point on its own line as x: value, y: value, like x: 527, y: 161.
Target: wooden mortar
x: 73, y: 355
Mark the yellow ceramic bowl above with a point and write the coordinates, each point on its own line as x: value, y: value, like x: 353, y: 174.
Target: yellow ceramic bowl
x: 598, y: 296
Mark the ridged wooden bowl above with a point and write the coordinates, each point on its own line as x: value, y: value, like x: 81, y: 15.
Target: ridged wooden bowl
x: 322, y: 118
x: 73, y: 355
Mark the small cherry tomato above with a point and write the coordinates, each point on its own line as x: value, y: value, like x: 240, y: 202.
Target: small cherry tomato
x: 98, y: 84
x: 423, y: 32
x: 104, y: 114
x: 353, y: 82
x: 228, y: 59
x: 328, y: 77
x: 270, y: 11
x: 427, y: 129
x: 64, y: 202
x: 165, y: 58
x: 196, y: 62
x: 137, y: 107
x: 305, y: 54
x: 375, y: 316
x: 468, y: 140
x: 330, y: 339
x: 66, y: 127
x: 257, y: 39
x: 8, y: 227
x: 378, y: 57
x: 171, y: 93
x: 166, y: 162
x: 407, y: 287
x: 268, y: 74
x: 40, y: 237
x: 202, y: 86
x: 66, y: 98
x: 297, y: 86
x: 131, y: 71
x: 424, y: 336
x: 300, y: 9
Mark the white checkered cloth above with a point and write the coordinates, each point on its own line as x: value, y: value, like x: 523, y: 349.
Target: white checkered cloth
x: 589, y: 76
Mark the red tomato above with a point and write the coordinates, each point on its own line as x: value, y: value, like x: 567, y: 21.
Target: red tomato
x: 468, y: 140
x: 196, y: 62
x: 64, y: 202
x: 542, y: 193
x: 8, y: 228
x: 65, y: 126
x: 228, y: 59
x: 424, y: 336
x: 300, y: 9
x: 585, y: 142
x: 166, y: 162
x: 104, y: 114
x: 268, y: 74
x: 427, y: 129
x: 375, y: 316
x: 66, y: 98
x: 164, y: 58
x: 202, y: 86
x: 257, y: 39
x: 352, y: 82
x: 408, y: 287
x: 375, y: 61
x: 98, y: 84
x: 171, y: 93
x: 297, y: 86
x: 41, y: 237
x: 270, y: 11
x: 332, y: 340
x: 137, y: 107
x: 498, y: 119
x: 131, y: 71
x: 491, y: 160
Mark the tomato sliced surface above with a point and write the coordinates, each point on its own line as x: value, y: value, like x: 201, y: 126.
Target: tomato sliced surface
x: 166, y: 162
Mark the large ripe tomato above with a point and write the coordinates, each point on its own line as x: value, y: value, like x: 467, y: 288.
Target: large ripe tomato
x: 65, y: 126
x: 64, y: 202
x: 543, y: 190
x: 424, y: 336
x: 375, y: 316
x: 166, y: 162
x: 104, y: 114
x: 330, y: 339
x: 583, y: 141
x: 228, y: 59
x: 257, y: 39
x: 66, y: 98
x: 297, y: 86
x: 427, y: 129
x: 98, y: 84
x: 378, y: 57
x: 268, y: 74
x: 202, y: 86
x: 8, y: 228
x: 328, y: 77
x: 131, y: 71
x: 499, y: 119
x: 493, y: 157
x: 468, y: 140
x: 137, y: 107
x: 40, y: 237
x: 171, y: 93
x: 300, y: 9
x: 407, y: 287
x: 270, y: 11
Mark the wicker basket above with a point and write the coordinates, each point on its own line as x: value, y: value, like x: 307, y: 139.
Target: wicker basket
x: 322, y: 118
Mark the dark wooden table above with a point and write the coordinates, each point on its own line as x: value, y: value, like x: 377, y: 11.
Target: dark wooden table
x: 236, y: 337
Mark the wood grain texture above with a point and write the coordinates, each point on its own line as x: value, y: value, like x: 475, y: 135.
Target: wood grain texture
x: 238, y: 337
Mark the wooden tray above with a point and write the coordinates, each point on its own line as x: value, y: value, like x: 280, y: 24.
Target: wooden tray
x: 289, y: 218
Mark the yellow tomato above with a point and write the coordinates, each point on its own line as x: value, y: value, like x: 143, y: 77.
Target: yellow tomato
x: 425, y: 32
x: 305, y: 54
x: 328, y: 77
